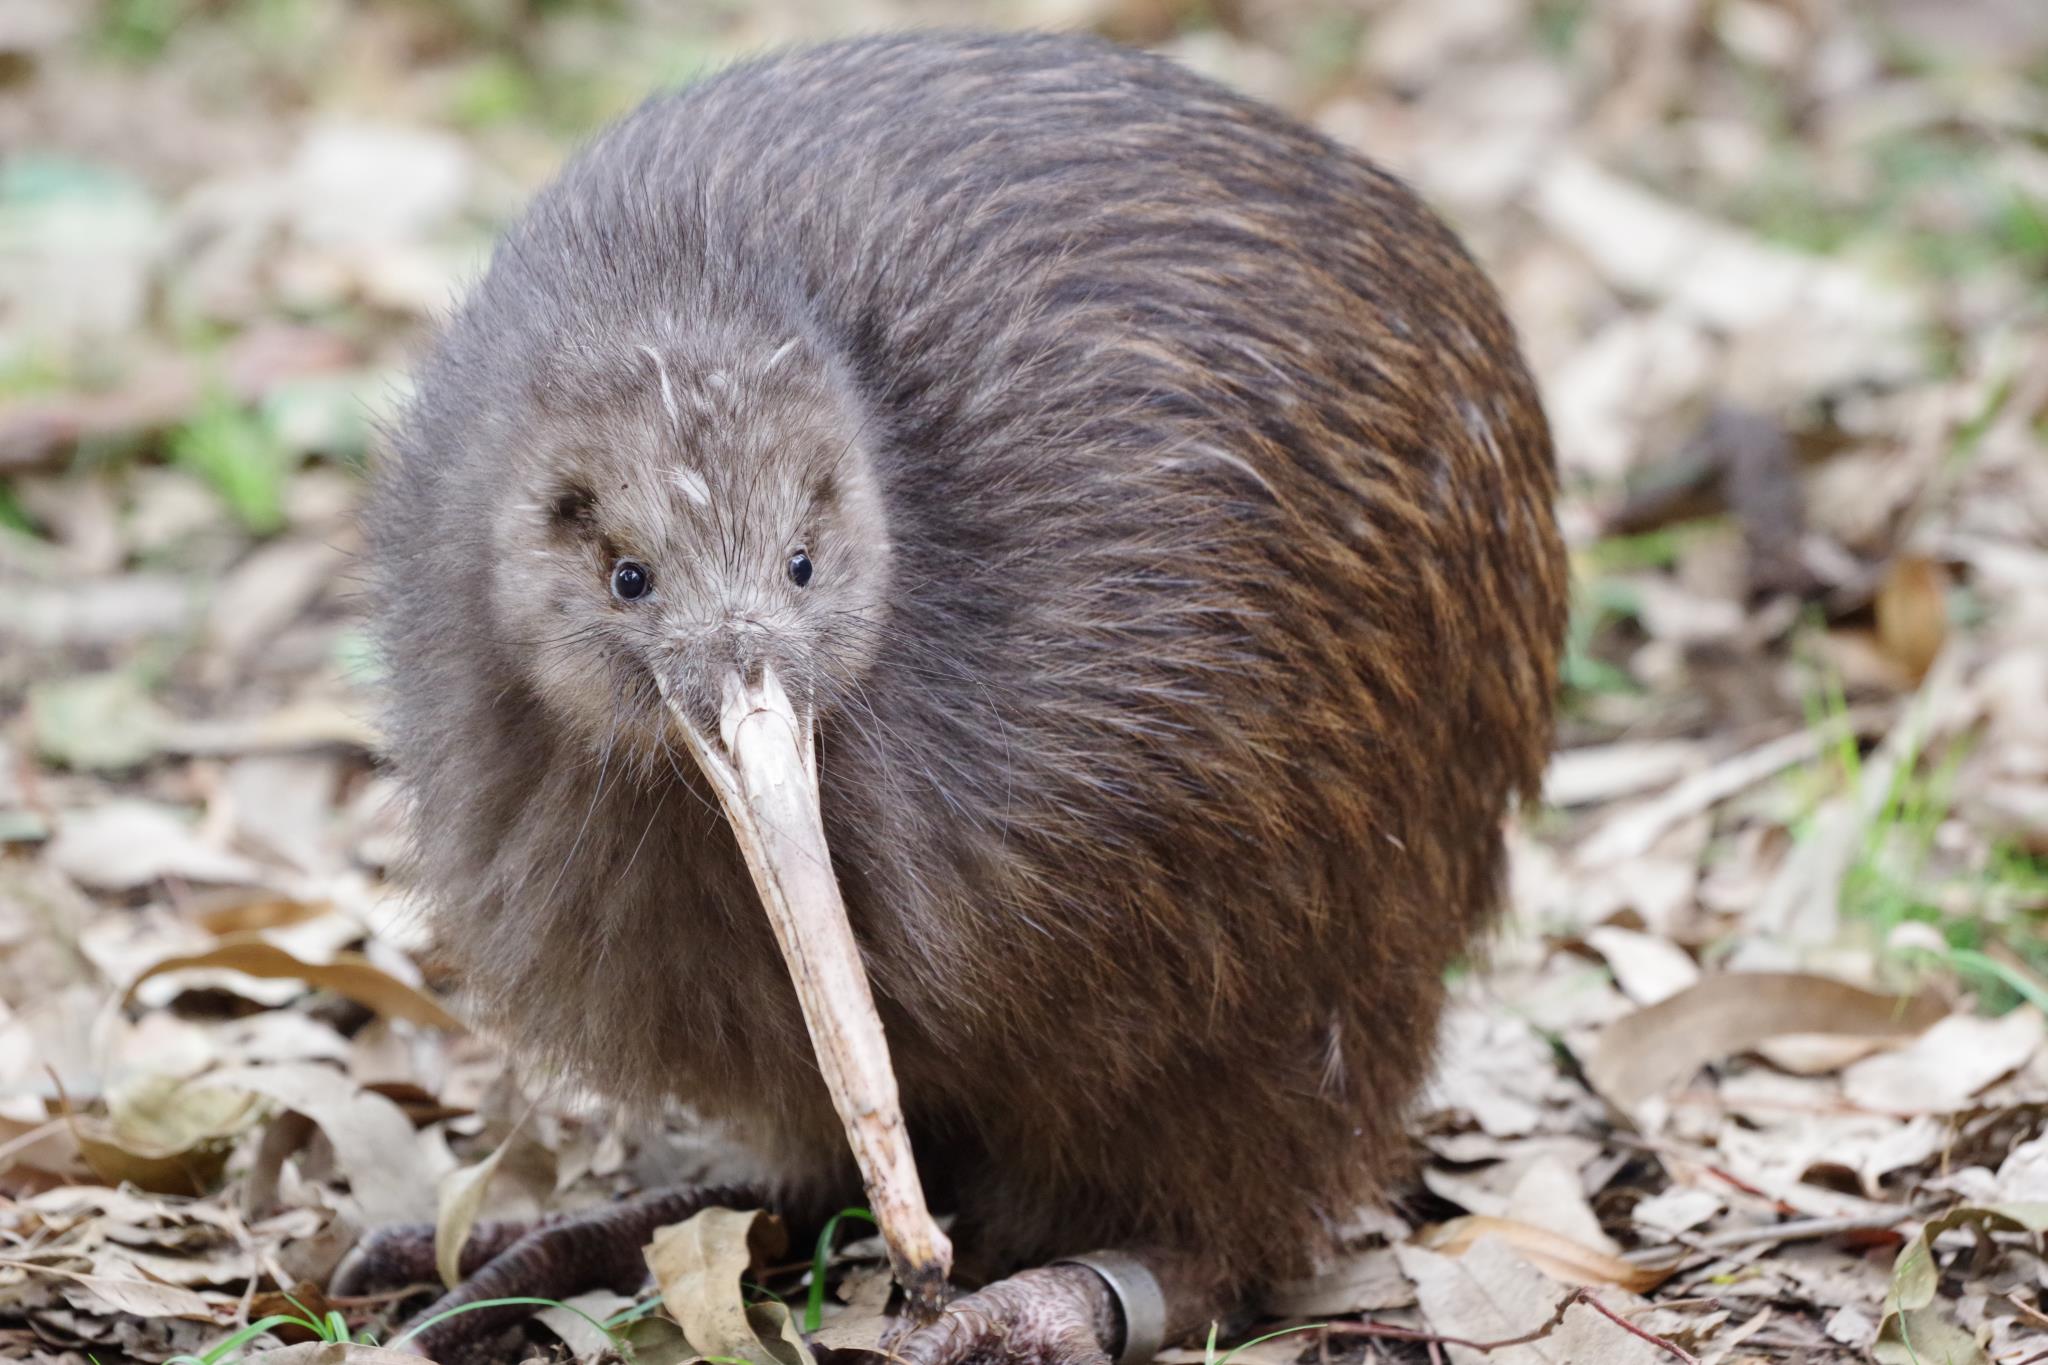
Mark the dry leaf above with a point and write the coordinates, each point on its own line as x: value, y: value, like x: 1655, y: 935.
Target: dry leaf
x: 349, y: 974
x: 127, y: 844
x: 1367, y: 1281
x: 166, y: 1135
x: 306, y: 725
x: 860, y: 1323
x: 140, y: 1297
x: 1914, y: 1330
x: 462, y: 1196
x: 698, y: 1265
x: 1637, y: 828
x: 1603, y: 772
x: 1658, y: 1047
x: 1912, y: 614
x: 332, y: 1353
x: 1940, y: 1070
x: 1561, y: 1258
x: 585, y: 1342
x: 1648, y: 968
x: 1491, y: 1294
x: 389, y: 1169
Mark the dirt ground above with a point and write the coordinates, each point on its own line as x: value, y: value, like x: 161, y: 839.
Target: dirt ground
x: 1757, y: 1071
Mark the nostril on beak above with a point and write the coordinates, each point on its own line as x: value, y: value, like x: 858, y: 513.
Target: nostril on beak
x: 751, y: 671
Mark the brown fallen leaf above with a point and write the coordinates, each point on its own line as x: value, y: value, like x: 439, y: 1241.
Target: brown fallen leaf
x: 462, y: 1197
x: 1654, y: 1049
x: 1490, y: 1294
x: 388, y: 1169
x: 332, y: 1353
x: 1912, y: 614
x: 1363, y: 1281
x: 142, y: 1298
x: 349, y: 974
x: 575, y: 1321
x: 1941, y: 1069
x: 165, y: 1135
x: 698, y: 1265
x: 863, y: 1320
x: 1561, y: 1258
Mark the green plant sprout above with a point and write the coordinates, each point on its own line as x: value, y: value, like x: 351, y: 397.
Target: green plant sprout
x: 814, y: 1303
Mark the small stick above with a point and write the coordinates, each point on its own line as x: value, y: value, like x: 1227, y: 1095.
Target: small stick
x: 1369, y: 1328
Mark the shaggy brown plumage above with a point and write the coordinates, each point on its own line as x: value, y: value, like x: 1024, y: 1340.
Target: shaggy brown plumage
x: 1186, y: 611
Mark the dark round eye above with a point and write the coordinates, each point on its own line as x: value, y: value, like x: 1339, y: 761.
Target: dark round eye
x: 630, y: 580
x: 799, y: 568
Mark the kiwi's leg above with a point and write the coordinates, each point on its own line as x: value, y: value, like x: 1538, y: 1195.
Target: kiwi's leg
x: 547, y: 1258
x: 1098, y: 1308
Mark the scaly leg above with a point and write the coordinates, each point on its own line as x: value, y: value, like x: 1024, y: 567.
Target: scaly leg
x: 548, y: 1258
x: 1109, y: 1306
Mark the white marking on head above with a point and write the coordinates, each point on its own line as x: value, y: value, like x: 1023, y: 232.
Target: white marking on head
x: 692, y: 484
x: 668, y: 394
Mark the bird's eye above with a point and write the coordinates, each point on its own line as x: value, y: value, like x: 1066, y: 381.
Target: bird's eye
x: 799, y: 568
x: 630, y: 580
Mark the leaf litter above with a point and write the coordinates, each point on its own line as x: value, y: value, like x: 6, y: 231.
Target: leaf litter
x: 1756, y: 1068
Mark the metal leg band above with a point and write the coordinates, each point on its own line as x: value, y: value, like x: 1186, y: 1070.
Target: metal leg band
x: 1137, y: 1294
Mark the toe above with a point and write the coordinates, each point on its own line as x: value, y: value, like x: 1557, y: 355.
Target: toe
x: 1041, y: 1317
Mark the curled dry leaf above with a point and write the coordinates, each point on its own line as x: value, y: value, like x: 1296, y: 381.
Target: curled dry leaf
x: 1914, y: 1329
x: 462, y: 1196
x: 1561, y: 1258
x: 348, y: 974
x: 698, y: 1265
x: 1656, y: 1048
x: 389, y: 1169
x: 165, y: 1135
x: 863, y: 1320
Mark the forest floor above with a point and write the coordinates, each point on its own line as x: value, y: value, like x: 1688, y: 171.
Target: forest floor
x: 1757, y: 1069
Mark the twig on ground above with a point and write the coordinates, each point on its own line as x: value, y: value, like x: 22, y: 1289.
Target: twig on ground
x: 1369, y: 1328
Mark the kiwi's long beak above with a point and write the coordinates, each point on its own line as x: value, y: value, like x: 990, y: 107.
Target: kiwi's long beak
x: 763, y: 764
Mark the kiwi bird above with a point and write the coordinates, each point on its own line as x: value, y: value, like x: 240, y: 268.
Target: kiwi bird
x: 1001, y: 536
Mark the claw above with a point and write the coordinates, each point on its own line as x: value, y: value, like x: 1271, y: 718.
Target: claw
x: 1056, y: 1315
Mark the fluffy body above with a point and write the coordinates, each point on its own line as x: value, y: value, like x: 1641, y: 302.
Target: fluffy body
x: 1187, y: 608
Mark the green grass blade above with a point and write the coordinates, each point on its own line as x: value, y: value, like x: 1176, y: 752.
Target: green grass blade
x: 635, y: 1313
x: 420, y: 1327
x: 814, y: 1303
x: 248, y: 1334
x: 1247, y: 1345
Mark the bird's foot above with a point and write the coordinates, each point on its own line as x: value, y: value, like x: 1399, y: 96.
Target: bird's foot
x: 1055, y: 1315
x: 546, y: 1258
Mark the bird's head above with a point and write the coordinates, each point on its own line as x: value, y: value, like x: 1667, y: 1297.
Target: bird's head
x: 693, y: 523
x: 696, y: 559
